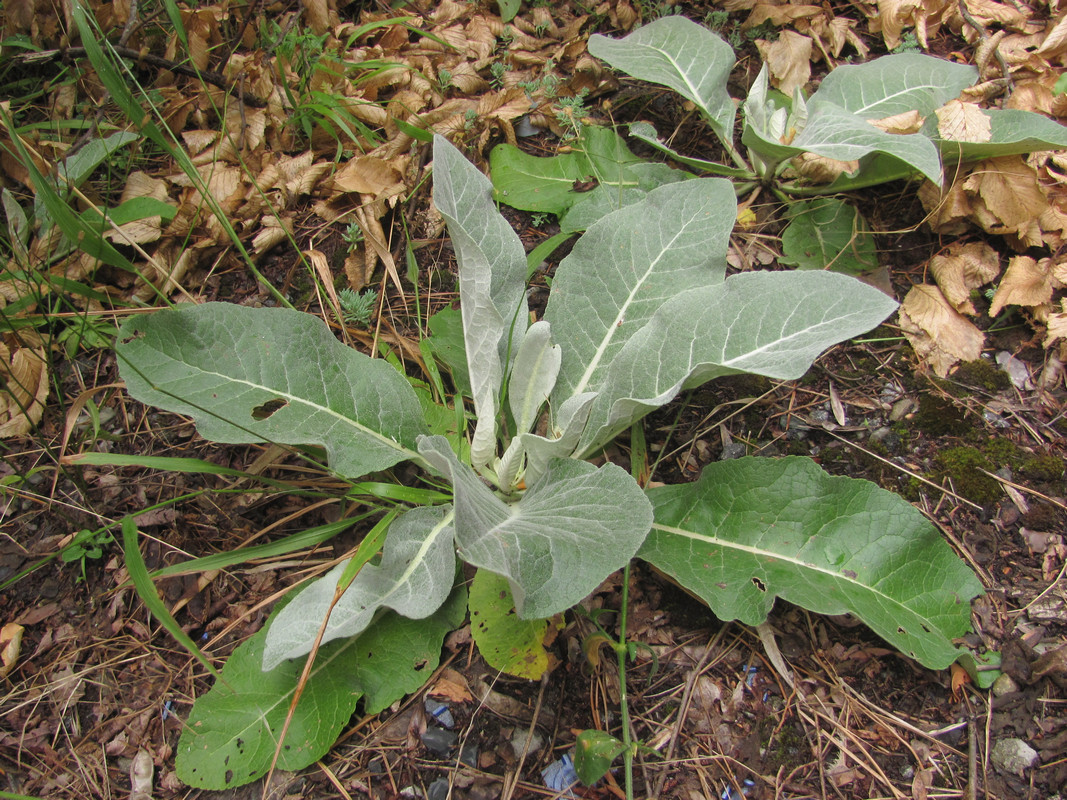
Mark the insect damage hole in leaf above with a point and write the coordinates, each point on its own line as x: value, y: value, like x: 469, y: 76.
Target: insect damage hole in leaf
x: 266, y: 410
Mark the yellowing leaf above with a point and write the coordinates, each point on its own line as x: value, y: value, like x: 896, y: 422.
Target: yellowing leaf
x: 1025, y: 283
x: 963, y: 122
x: 940, y: 335
x: 963, y: 268
x: 788, y: 60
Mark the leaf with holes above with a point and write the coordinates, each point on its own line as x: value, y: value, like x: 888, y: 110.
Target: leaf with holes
x: 232, y: 732
x: 271, y: 375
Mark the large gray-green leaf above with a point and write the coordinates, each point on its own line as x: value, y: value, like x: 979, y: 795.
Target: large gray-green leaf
x: 767, y: 323
x: 755, y: 529
x: 492, y: 284
x: 835, y: 132
x: 231, y: 735
x: 414, y: 578
x: 681, y: 55
x: 895, y: 84
x: 627, y: 265
x: 571, y: 529
x: 271, y: 375
x: 1012, y: 132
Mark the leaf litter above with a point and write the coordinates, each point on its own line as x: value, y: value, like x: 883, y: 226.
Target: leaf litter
x: 862, y: 721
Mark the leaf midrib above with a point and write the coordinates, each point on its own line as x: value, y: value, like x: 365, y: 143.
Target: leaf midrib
x: 386, y: 440
x: 778, y: 556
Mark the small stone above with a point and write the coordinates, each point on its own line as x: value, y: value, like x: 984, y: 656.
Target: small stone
x: 1004, y: 684
x: 439, y: 742
x: 1014, y: 756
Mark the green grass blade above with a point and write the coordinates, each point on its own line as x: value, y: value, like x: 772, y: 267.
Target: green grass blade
x: 147, y: 591
x: 288, y: 544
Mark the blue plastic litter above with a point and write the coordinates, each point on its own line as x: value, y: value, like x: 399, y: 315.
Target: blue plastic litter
x: 559, y: 776
x: 730, y: 793
x: 750, y: 673
x: 440, y: 712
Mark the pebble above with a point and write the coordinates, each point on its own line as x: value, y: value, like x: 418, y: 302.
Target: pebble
x: 439, y: 742
x: 1004, y: 684
x: 1014, y: 756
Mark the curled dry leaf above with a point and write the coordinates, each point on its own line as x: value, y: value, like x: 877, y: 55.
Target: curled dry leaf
x: 1027, y: 282
x: 963, y: 122
x: 1056, y: 327
x: 24, y: 376
x: 940, y: 335
x: 1055, y: 42
x: 895, y: 15
x: 1007, y: 198
x: 820, y: 169
x: 963, y: 268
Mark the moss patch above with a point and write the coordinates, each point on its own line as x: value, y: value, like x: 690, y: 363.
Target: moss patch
x: 963, y: 466
x: 1043, y: 468
x: 982, y: 373
x: 939, y: 417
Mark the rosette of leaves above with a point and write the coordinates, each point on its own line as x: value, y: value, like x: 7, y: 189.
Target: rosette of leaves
x: 640, y: 310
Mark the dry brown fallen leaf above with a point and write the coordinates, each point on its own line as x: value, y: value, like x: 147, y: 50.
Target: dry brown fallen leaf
x: 10, y: 645
x: 24, y: 374
x: 962, y: 268
x: 939, y: 334
x: 905, y: 122
x: 1056, y: 325
x: 788, y: 59
x: 1027, y: 282
x: 963, y: 122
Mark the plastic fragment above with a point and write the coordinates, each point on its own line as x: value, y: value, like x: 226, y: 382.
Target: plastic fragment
x: 750, y: 674
x: 440, y: 712
x: 730, y: 793
x: 560, y: 776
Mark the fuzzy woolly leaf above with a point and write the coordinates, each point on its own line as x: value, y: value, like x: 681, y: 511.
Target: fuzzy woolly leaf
x: 414, y: 578
x: 755, y: 529
x: 894, y: 84
x: 271, y: 375
x: 570, y: 530
x: 1012, y: 132
x: 680, y: 54
x: 492, y: 283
